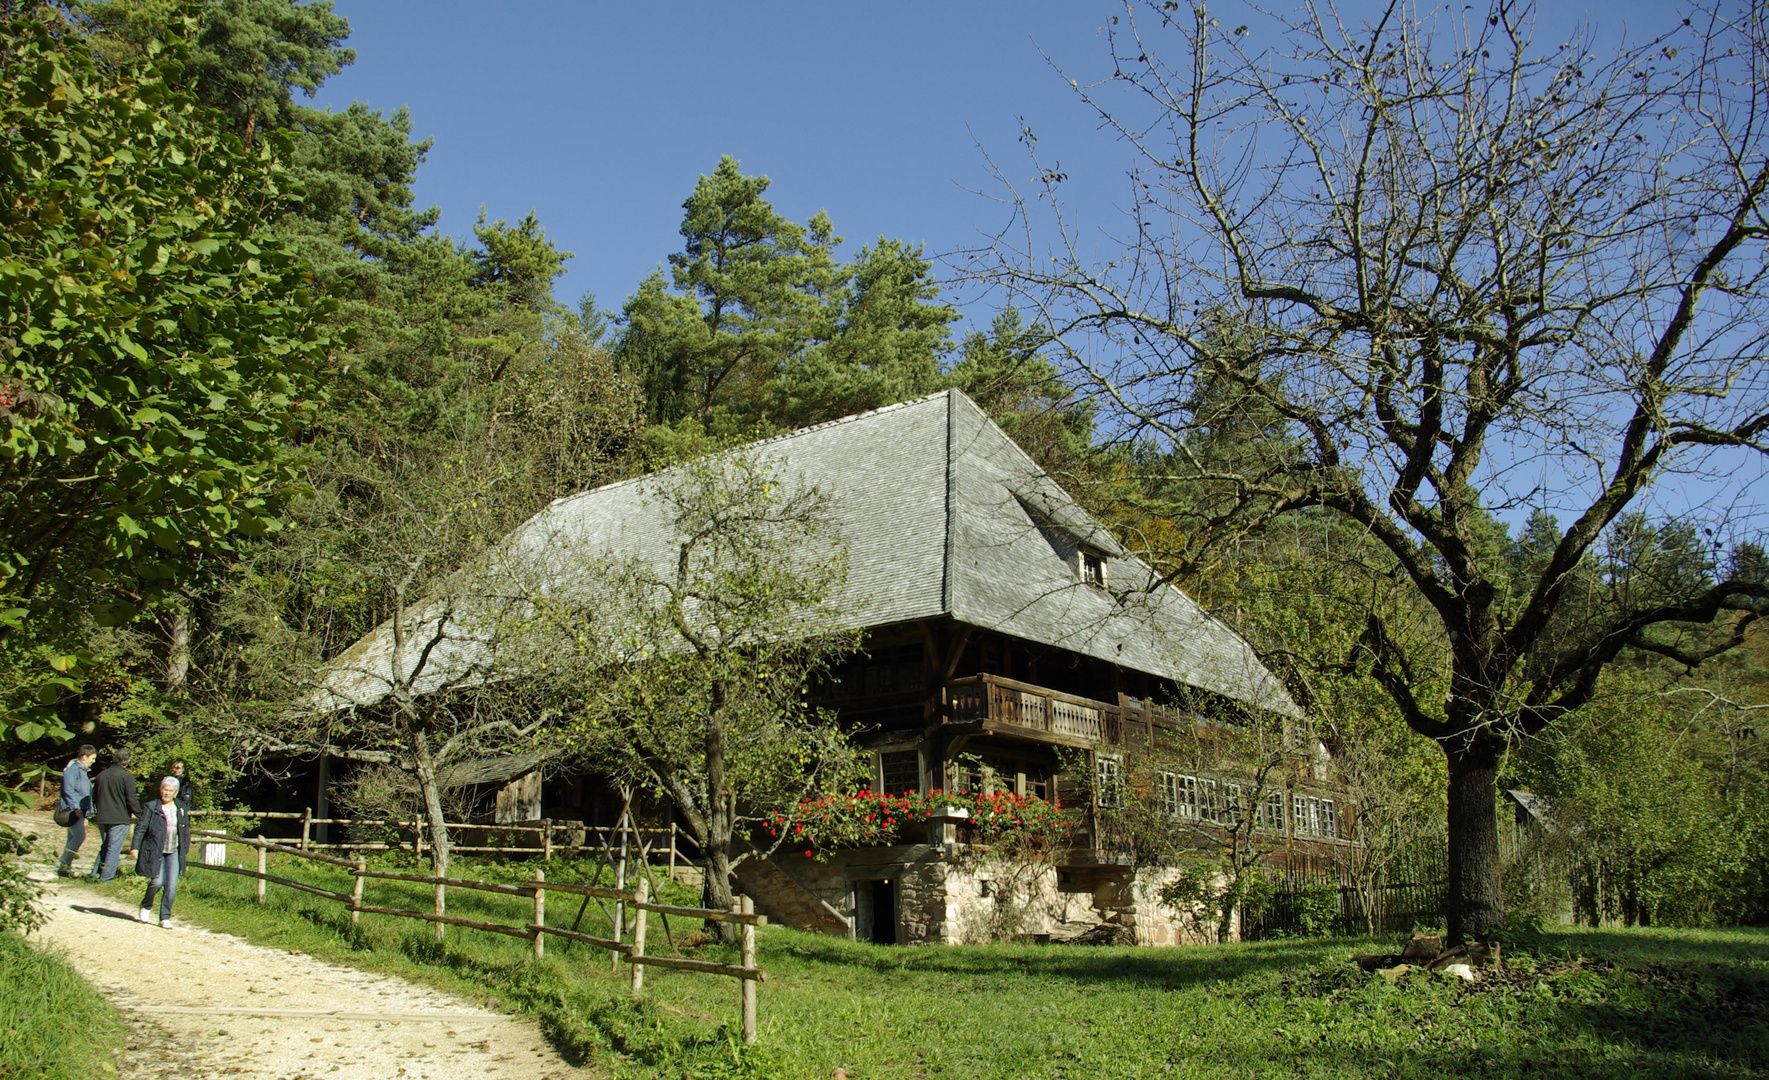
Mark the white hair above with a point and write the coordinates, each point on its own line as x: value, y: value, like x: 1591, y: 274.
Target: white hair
x: 173, y: 780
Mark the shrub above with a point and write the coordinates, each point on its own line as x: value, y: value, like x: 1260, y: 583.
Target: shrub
x: 19, y: 912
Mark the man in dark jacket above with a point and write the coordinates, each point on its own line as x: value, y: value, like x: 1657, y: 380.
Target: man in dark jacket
x: 75, y: 805
x: 114, y: 805
x: 182, y: 775
x: 162, y: 841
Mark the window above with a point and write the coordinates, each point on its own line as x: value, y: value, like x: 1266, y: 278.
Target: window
x: 1169, y: 793
x: 1108, y: 782
x: 1233, y: 810
x: 1093, y: 568
x: 1193, y: 798
x: 900, y: 772
x: 1271, y: 812
x: 1314, y: 817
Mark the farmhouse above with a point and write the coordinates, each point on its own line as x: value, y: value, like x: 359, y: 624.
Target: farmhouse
x: 1010, y: 644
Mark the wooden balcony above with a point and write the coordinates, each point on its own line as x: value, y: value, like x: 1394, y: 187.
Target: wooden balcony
x: 997, y: 704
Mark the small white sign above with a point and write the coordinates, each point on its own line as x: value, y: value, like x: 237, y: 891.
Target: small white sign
x: 214, y: 854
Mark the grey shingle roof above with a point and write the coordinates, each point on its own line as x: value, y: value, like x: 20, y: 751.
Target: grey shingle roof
x: 943, y: 515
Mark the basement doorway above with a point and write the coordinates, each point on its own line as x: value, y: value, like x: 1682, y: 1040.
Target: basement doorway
x: 875, y: 911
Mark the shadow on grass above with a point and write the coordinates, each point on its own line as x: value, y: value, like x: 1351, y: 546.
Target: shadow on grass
x: 1162, y: 968
x: 1721, y: 948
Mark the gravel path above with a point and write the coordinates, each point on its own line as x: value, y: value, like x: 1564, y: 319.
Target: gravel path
x: 202, y: 1004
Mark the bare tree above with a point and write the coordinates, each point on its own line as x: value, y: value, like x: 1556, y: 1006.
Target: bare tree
x: 680, y: 666
x: 1465, y: 274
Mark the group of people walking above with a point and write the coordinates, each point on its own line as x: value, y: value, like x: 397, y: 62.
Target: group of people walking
x: 161, y: 843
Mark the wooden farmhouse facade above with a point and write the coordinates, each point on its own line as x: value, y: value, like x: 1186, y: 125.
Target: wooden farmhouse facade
x: 1010, y: 643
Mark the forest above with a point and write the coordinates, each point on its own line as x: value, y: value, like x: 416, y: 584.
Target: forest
x: 256, y: 404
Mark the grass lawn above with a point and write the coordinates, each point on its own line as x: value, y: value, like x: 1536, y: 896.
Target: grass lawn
x: 1571, y: 1003
x: 53, y: 1025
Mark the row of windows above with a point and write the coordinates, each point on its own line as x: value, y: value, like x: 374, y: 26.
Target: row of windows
x: 1207, y: 801
x: 1200, y: 799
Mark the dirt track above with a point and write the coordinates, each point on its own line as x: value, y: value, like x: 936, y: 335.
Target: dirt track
x: 201, y: 1004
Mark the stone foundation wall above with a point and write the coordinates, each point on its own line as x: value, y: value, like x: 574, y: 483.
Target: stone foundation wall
x: 972, y: 897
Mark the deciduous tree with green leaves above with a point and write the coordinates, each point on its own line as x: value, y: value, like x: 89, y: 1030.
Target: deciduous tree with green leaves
x: 157, y: 348
x: 687, y: 680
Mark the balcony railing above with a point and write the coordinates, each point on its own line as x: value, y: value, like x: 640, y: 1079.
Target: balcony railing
x: 996, y: 701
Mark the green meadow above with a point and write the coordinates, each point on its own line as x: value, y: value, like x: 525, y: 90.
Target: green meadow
x: 1569, y: 1002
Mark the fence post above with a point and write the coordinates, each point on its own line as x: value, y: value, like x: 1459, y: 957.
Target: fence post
x: 546, y: 839
x: 640, y: 896
x: 672, y: 851
x: 417, y: 839
x: 356, y: 891
x: 441, y: 906
x: 306, y: 824
x: 620, y: 906
x: 540, y: 913
x: 263, y: 850
x: 746, y: 936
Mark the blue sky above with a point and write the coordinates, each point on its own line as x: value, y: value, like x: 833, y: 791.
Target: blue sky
x: 600, y: 116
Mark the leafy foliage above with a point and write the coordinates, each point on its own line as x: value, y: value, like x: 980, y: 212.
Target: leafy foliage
x: 19, y: 913
x: 873, y: 818
x: 159, y: 348
x: 687, y: 679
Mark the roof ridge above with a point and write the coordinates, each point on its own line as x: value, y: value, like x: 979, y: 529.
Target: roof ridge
x: 782, y: 437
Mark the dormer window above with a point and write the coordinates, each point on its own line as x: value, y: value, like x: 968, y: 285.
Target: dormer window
x: 1093, y: 568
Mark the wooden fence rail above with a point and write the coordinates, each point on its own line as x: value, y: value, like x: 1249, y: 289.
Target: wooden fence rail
x: 550, y: 836
x: 636, y: 900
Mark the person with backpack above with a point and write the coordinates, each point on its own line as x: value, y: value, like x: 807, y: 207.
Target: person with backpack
x: 115, y: 805
x: 75, y: 804
x: 162, y: 842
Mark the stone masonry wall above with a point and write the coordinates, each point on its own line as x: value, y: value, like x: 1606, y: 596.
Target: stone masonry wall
x: 971, y: 897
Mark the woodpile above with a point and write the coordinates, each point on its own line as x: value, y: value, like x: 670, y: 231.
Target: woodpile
x: 1425, y: 952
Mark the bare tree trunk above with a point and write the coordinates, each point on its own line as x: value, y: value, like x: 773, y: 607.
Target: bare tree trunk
x: 178, y: 652
x: 719, y: 824
x: 1474, y: 903
x: 432, y: 793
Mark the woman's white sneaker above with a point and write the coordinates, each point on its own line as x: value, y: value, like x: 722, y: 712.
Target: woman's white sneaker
x: 144, y: 915
x: 165, y: 924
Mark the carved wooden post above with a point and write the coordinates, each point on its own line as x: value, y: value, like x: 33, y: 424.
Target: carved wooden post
x: 263, y: 851
x: 672, y: 851
x: 417, y: 839
x: 306, y: 825
x: 356, y: 891
x: 641, y: 895
x: 546, y: 839
x: 746, y: 936
x: 441, y: 906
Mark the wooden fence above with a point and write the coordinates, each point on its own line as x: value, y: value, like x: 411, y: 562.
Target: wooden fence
x: 549, y: 837
x: 628, y: 944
